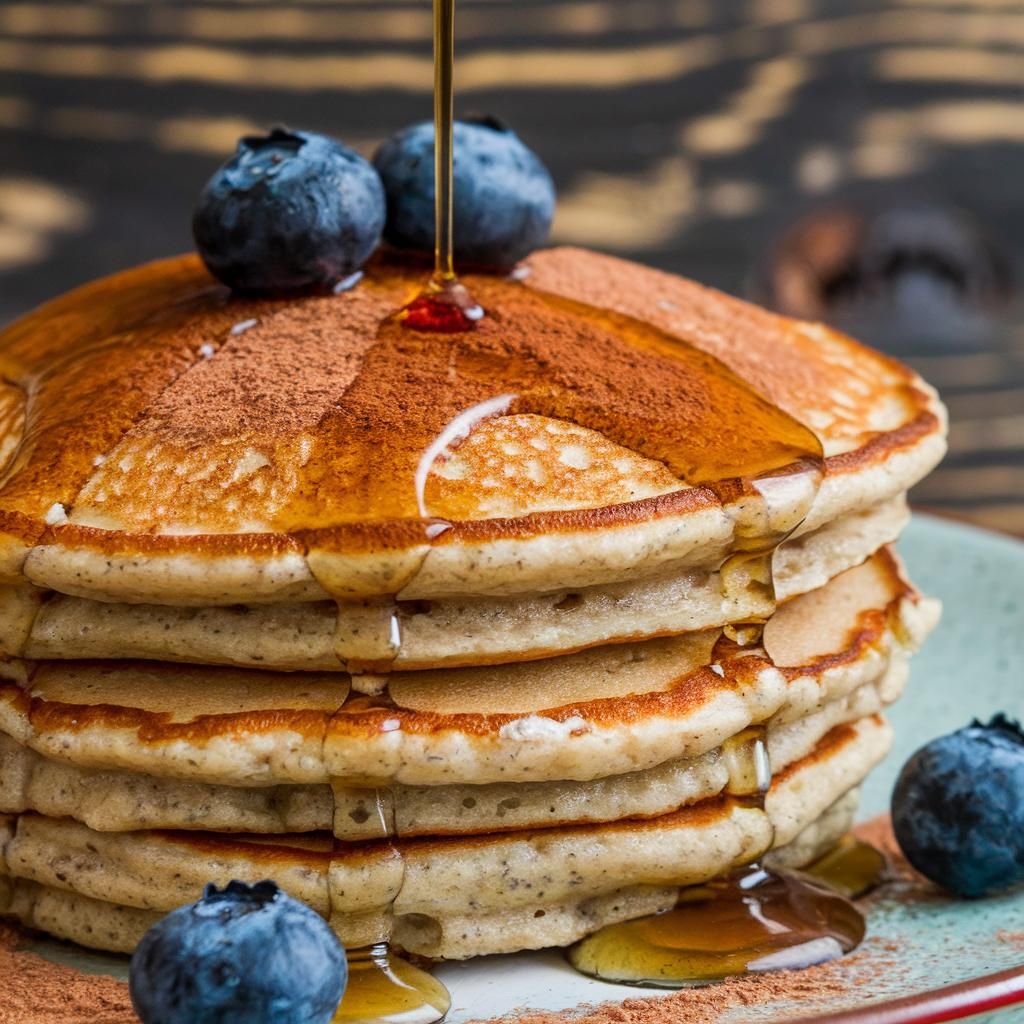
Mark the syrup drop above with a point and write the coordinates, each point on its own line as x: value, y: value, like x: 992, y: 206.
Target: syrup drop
x: 385, y: 989
x: 444, y: 305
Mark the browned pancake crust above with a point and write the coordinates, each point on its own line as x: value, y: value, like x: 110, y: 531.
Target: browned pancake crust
x: 364, y: 717
x: 320, y: 849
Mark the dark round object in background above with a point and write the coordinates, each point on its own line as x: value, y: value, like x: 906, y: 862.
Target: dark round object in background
x: 907, y: 278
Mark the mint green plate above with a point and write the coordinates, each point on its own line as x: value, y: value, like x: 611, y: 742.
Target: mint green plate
x: 946, y: 959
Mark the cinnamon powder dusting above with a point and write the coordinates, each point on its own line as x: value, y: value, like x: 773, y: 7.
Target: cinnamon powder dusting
x: 702, y: 1005
x: 35, y: 991
x: 1015, y: 939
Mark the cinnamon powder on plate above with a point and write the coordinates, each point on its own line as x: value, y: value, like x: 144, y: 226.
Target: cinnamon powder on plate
x: 36, y: 991
x: 701, y: 1005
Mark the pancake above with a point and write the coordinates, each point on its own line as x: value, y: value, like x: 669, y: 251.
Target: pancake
x: 453, y: 897
x: 605, y: 424
x: 315, y: 636
x: 608, y: 711
x: 117, y: 928
x: 119, y: 801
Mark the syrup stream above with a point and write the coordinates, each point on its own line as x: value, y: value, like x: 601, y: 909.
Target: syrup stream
x: 383, y: 988
x: 445, y: 304
x: 444, y: 87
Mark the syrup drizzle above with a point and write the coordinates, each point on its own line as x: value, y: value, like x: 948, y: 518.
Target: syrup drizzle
x: 766, y: 476
x: 385, y: 989
x: 763, y: 466
x: 753, y: 920
x: 786, y: 500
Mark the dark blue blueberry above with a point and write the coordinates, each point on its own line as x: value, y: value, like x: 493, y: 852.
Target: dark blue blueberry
x: 503, y: 202
x: 289, y: 211
x: 242, y: 954
x: 958, y: 808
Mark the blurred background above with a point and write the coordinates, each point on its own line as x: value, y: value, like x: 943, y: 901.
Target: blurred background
x: 859, y: 161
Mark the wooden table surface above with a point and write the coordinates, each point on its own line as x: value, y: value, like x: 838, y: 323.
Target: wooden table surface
x: 691, y: 134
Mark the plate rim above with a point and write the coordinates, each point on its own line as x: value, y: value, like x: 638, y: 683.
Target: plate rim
x: 987, y: 992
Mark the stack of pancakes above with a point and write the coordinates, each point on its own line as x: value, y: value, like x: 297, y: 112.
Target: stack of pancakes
x: 434, y: 629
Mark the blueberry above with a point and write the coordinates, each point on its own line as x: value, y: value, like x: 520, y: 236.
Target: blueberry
x: 244, y: 953
x: 504, y: 197
x: 290, y: 210
x: 958, y: 808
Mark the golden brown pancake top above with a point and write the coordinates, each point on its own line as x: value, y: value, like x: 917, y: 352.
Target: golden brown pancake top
x: 154, y: 401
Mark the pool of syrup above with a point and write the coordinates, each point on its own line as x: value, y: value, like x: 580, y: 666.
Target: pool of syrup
x: 752, y: 920
x: 385, y: 989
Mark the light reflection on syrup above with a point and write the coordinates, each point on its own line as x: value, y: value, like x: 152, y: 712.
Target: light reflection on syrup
x: 457, y: 430
x: 244, y: 325
x: 754, y: 919
x: 346, y: 284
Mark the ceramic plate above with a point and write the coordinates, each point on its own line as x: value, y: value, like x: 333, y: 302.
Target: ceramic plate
x: 943, y: 959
